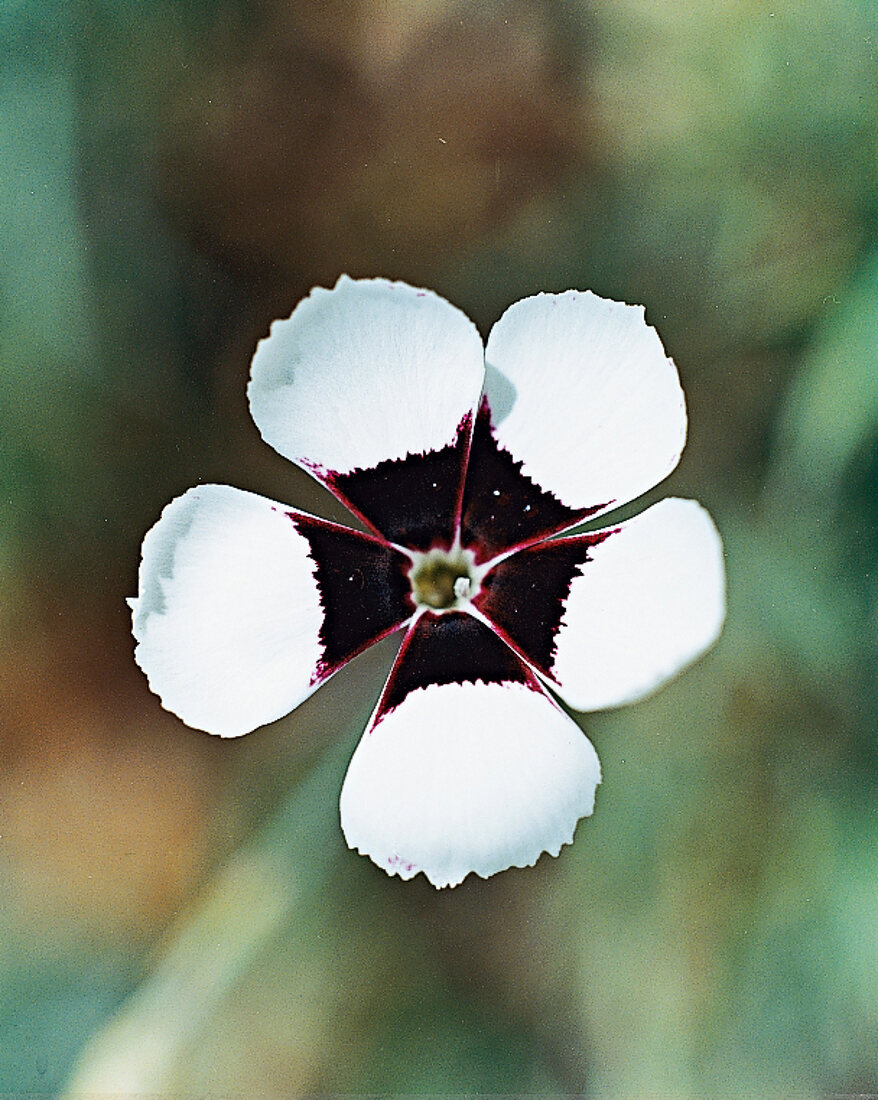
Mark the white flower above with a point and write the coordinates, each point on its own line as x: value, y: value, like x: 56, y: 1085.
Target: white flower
x: 464, y: 475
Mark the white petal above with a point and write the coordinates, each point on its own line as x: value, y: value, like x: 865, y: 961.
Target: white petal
x: 228, y: 616
x: 582, y: 393
x: 648, y: 602
x: 468, y: 777
x: 369, y: 371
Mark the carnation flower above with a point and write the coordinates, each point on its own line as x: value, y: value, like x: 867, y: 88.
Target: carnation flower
x: 466, y: 466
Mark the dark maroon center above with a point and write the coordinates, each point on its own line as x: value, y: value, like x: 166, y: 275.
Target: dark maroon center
x: 458, y: 530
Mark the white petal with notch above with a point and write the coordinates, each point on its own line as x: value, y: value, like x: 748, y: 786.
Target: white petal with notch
x: 368, y: 371
x: 228, y: 613
x: 583, y: 394
x: 469, y: 777
x: 648, y: 603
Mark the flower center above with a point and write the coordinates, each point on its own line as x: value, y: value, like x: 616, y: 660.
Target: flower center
x: 443, y: 580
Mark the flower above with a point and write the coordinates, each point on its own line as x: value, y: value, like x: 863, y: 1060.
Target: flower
x: 467, y: 465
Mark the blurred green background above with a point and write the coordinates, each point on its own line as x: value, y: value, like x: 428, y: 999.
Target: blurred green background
x: 179, y: 915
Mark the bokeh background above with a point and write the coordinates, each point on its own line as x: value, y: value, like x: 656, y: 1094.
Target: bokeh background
x: 179, y: 915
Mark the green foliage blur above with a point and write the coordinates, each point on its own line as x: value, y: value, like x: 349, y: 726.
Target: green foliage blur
x: 180, y: 916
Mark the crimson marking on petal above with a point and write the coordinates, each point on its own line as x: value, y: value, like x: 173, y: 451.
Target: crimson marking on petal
x: 412, y: 501
x: 364, y: 588
x: 396, y: 863
x: 451, y: 648
x: 524, y: 595
x: 502, y: 507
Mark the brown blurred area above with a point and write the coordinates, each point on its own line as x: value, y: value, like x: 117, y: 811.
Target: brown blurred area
x: 360, y: 137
